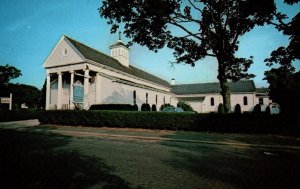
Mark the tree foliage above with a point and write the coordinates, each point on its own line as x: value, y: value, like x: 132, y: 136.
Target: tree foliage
x: 27, y: 94
x: 7, y: 73
x: 284, y: 89
x: 185, y: 106
x: 284, y: 56
x: 193, y: 29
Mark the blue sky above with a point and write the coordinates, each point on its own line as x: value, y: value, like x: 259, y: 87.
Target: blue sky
x: 31, y: 28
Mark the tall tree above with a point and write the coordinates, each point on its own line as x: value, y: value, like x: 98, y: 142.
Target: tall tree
x: 7, y: 73
x: 284, y: 83
x: 194, y: 29
x: 284, y: 56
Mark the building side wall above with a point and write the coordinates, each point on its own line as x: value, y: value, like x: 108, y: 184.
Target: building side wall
x: 117, y: 93
x: 206, y: 106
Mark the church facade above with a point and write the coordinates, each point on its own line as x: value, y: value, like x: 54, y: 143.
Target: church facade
x: 79, y: 76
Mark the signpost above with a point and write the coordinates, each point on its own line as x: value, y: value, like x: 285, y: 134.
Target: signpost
x: 7, y: 100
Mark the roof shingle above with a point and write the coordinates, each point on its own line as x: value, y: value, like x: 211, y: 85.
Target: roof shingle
x: 101, y: 58
x: 205, y: 88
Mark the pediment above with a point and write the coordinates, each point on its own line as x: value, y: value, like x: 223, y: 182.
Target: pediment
x: 64, y: 53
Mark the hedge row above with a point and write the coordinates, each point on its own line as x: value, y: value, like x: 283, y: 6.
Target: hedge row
x: 15, y: 115
x: 229, y: 123
x: 127, y: 107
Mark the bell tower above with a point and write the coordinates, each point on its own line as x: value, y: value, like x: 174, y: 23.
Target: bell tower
x: 120, y: 52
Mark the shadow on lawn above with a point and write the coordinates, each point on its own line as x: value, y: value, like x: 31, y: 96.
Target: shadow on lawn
x: 237, y: 167
x: 33, y: 160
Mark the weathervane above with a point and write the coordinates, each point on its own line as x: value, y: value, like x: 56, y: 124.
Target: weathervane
x: 120, y: 36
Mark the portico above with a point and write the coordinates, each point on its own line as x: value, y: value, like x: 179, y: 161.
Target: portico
x: 65, y: 77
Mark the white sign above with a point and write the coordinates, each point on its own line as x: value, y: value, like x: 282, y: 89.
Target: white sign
x: 5, y: 100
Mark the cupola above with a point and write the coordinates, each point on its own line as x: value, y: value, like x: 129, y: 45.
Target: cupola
x: 120, y: 52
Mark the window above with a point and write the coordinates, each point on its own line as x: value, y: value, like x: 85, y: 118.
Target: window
x: 146, y: 98
x: 261, y: 101
x: 134, y: 97
x: 212, y: 101
x: 245, y: 100
x: 164, y: 100
x: 156, y: 99
x: 65, y: 52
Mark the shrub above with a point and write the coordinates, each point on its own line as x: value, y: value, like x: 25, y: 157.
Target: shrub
x: 257, y: 109
x: 221, y: 109
x: 145, y: 107
x: 284, y: 124
x: 15, y: 115
x: 185, y: 106
x: 126, y: 107
x: 135, y: 107
x: 164, y: 106
x: 268, y: 110
x: 153, y: 108
x: 238, y: 109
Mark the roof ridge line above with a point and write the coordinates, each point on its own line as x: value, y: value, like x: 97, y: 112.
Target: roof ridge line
x: 89, y: 46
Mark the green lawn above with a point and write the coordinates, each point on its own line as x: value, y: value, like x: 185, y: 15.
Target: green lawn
x: 41, y: 157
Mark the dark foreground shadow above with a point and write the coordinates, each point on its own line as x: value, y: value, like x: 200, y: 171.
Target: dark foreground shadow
x: 238, y: 168
x: 33, y: 160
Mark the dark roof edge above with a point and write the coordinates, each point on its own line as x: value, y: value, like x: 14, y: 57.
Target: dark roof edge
x: 71, y: 39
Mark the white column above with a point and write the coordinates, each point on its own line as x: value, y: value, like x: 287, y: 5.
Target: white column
x: 59, y: 91
x: 86, y: 89
x: 71, y: 90
x: 48, y: 89
x: 98, y: 85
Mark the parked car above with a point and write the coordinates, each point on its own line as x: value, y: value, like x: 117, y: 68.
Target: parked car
x: 172, y: 109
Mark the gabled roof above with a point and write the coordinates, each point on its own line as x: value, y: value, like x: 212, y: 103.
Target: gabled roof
x: 103, y: 59
x: 262, y: 90
x: 205, y: 88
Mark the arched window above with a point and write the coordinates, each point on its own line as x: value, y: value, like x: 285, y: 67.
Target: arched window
x: 156, y: 99
x: 146, y: 98
x: 134, y: 97
x: 245, y: 100
x: 212, y: 101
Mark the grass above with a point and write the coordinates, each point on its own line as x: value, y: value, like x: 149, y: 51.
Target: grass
x: 39, y: 157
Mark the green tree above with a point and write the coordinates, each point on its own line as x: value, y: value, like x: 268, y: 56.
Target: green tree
x: 27, y: 94
x: 185, y: 106
x: 7, y: 73
x: 284, y: 82
x: 284, y: 88
x: 193, y: 30
x: 284, y: 56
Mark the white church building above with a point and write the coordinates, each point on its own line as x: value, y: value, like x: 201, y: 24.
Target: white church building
x: 80, y: 76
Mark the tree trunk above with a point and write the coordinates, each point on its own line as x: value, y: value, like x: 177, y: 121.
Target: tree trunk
x: 225, y: 92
